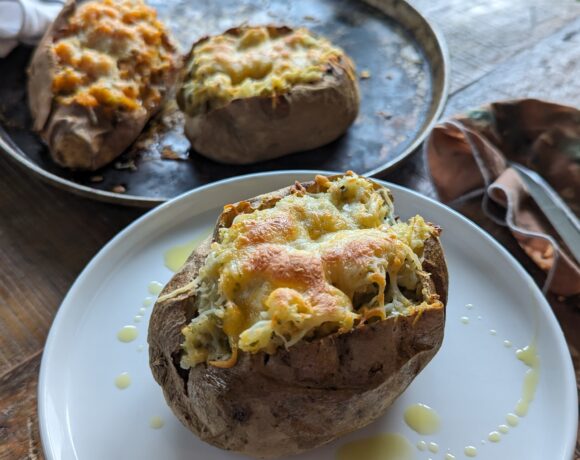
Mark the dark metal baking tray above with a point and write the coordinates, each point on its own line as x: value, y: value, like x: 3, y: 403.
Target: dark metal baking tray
x: 404, y: 55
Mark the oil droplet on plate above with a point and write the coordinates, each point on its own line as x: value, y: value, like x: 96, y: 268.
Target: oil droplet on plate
x: 388, y: 446
x: 422, y: 419
x: 176, y: 256
x: 512, y: 419
x: 529, y: 390
x: 123, y: 381
x: 469, y: 306
x: 140, y: 348
x: 127, y: 334
x: 529, y: 357
x: 433, y: 447
x: 494, y: 436
x: 148, y: 301
x: 138, y: 318
x: 422, y: 446
x: 465, y: 319
x: 507, y: 343
x: 493, y: 332
x: 155, y: 287
x: 503, y: 429
x: 449, y: 456
x: 156, y: 422
x: 470, y: 451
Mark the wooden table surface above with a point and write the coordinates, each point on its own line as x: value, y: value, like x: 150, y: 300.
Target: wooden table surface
x: 499, y: 49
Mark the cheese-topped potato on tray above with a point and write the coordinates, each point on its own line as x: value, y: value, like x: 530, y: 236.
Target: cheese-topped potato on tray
x: 98, y: 75
x: 256, y: 93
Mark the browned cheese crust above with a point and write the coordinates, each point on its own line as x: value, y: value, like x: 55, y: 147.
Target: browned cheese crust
x: 296, y: 399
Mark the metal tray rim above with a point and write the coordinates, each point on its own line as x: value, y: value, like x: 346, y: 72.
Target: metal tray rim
x: 439, y: 40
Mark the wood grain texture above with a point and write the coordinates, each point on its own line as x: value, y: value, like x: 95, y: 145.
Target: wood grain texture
x: 19, y: 437
x: 499, y: 49
x: 548, y: 70
x: 482, y: 34
x: 46, y: 237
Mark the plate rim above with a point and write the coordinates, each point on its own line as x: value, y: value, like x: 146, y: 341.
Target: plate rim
x: 571, y: 426
x: 8, y: 146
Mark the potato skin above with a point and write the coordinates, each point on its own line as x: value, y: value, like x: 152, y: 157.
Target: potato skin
x: 261, y: 128
x: 296, y: 399
x: 78, y: 137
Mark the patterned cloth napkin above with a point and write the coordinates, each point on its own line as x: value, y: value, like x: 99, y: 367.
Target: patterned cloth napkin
x: 25, y: 21
x: 468, y: 155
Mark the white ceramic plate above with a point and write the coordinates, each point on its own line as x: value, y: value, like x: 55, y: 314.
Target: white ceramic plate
x: 473, y: 382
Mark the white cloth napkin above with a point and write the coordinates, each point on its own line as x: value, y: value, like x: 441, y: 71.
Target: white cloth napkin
x: 25, y: 21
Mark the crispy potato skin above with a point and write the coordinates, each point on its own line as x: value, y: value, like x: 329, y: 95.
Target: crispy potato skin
x: 297, y: 399
x: 261, y: 128
x: 78, y: 137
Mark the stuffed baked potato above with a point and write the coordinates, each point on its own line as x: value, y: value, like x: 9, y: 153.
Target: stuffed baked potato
x: 255, y: 93
x: 100, y: 72
x: 301, y: 319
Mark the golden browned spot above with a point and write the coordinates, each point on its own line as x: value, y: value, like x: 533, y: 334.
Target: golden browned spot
x: 278, y: 265
x: 278, y: 228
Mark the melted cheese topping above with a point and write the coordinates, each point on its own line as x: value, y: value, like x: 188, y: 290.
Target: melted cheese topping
x: 255, y: 61
x: 311, y: 265
x: 113, y: 54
